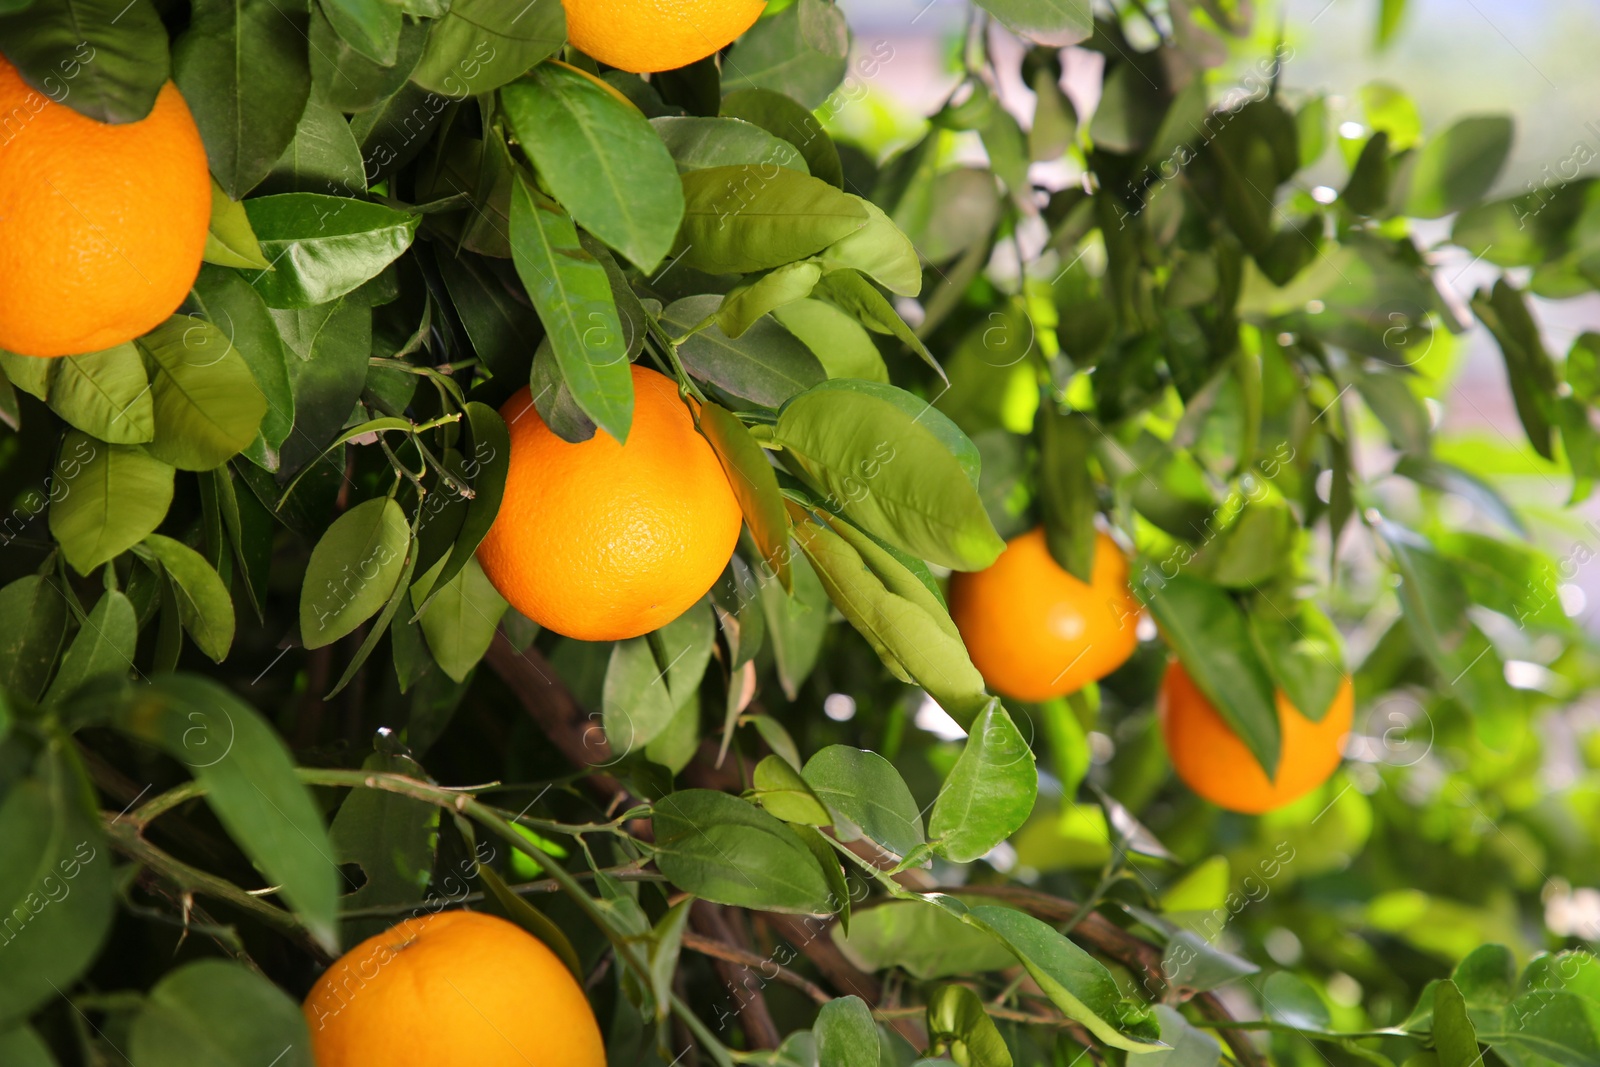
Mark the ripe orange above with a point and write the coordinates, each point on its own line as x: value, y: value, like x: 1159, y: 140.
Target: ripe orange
x: 1212, y: 761
x: 1033, y: 630
x: 453, y: 987
x: 101, y: 226
x: 650, y: 35
x: 602, y: 541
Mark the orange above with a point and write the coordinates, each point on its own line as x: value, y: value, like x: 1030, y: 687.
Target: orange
x: 1036, y: 632
x: 1212, y: 761
x: 602, y: 541
x: 650, y: 35
x: 101, y: 226
x: 453, y: 987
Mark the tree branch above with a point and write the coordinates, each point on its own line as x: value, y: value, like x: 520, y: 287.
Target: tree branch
x: 759, y: 1029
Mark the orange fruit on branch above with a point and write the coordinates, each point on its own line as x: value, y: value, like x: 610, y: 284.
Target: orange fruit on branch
x: 602, y: 541
x: 1035, y: 631
x: 453, y: 987
x: 101, y: 226
x: 1213, y: 762
x: 651, y: 35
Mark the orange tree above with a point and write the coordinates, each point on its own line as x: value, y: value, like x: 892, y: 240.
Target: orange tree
x: 262, y: 702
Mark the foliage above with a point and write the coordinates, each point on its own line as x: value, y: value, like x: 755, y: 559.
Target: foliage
x: 260, y: 701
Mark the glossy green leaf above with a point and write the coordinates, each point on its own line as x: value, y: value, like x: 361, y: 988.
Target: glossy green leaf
x: 104, y: 646
x: 1053, y: 22
x: 322, y: 158
x: 203, y: 601
x: 726, y: 850
x: 846, y: 1034
x: 103, y: 59
x: 352, y: 571
x: 28, y: 650
x: 1211, y: 636
x: 600, y: 158
x: 697, y: 143
x: 878, y: 250
x: 800, y: 52
x: 178, y: 1024
x: 742, y: 307
x: 207, y: 405
x: 243, y: 69
x: 56, y: 883
x: 371, y: 27
x: 840, y: 343
x: 250, y: 784
x: 388, y: 837
x: 754, y: 483
x: 112, y: 497
x: 765, y: 364
x: 322, y: 247
x: 989, y: 793
x: 1455, y: 1041
x: 461, y: 619
x: 867, y: 798
x: 885, y: 460
x: 926, y: 942
x: 230, y: 242
x: 487, y: 465
x: 1290, y: 1000
x: 784, y: 117
x: 780, y: 789
x: 1302, y: 652
x: 104, y: 394
x: 1076, y: 983
x: 326, y: 352
x: 749, y: 218
x: 853, y: 293
x: 233, y: 306
x: 348, y: 81
x: 480, y: 45
x: 1067, y: 498
x: 573, y: 296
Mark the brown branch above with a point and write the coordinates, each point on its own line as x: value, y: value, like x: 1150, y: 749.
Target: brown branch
x: 810, y: 937
x: 707, y: 946
x: 532, y: 680
x: 712, y: 925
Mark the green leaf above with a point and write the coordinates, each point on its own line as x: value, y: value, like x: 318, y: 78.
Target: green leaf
x: 388, y: 837
x: 55, y: 883
x: 1529, y: 370
x: 795, y: 623
x: 853, y: 293
x: 926, y: 942
x: 748, y: 218
x: 371, y: 27
x: 1190, y: 1046
x: 322, y: 247
x: 637, y: 704
x: 867, y: 798
x: 243, y: 69
x: 846, y: 1034
x: 781, y: 789
x: 600, y: 158
x: 990, y: 791
x: 322, y: 158
x: 487, y: 467
x: 250, y: 784
x: 1052, y: 22
x: 957, y: 1023
x: 697, y: 143
x: 235, y: 308
x: 104, y: 394
x: 480, y: 45
x: 1455, y: 169
x: 570, y: 289
x: 1302, y: 652
x: 1455, y: 1041
x: 348, y: 81
x: 104, y: 59
x: 878, y: 250
x: 1076, y: 983
x: 722, y: 848
x: 28, y: 649
x: 1388, y: 108
x: 790, y: 120
x: 1067, y: 499
x: 1560, y: 1027
x: 1211, y: 636
x: 765, y: 364
x: 800, y: 52
x: 22, y: 1046
x: 743, y: 306
x: 754, y: 483
x: 179, y: 1023
x: 112, y: 497
x: 326, y: 352
x: 207, y: 405
x: 894, y: 465
x: 1390, y: 14
x: 31, y: 374
x: 461, y: 619
x: 909, y: 631
x: 353, y: 570
x: 230, y: 242
x: 104, y: 646
x: 840, y: 343
x: 1289, y: 1000
x: 203, y: 601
